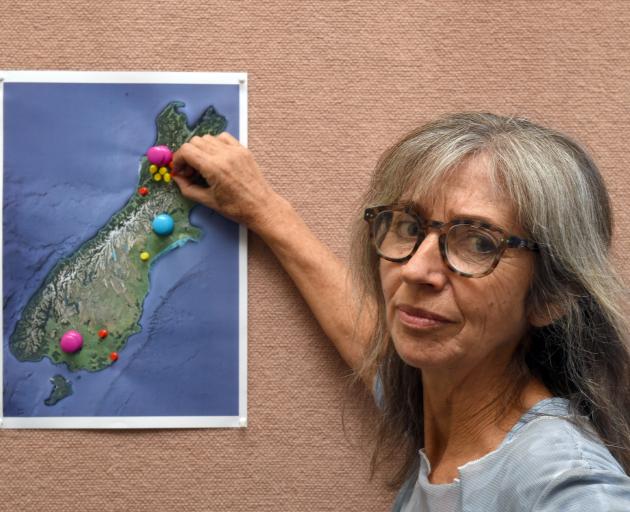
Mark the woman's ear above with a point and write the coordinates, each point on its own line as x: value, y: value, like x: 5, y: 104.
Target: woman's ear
x: 546, y: 314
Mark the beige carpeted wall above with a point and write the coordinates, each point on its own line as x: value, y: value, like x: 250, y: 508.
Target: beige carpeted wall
x: 331, y: 85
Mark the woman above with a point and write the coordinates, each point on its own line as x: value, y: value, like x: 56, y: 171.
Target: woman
x: 491, y: 325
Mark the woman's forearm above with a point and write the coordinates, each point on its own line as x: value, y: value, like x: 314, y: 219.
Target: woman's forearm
x: 237, y: 189
x: 322, y: 279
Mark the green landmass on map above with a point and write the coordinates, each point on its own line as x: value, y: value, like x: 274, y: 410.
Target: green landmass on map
x: 103, y: 284
x: 61, y: 389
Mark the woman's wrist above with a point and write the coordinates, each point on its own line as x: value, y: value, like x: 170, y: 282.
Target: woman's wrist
x: 271, y: 222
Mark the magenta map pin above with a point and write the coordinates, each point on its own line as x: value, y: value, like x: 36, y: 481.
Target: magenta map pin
x: 159, y: 155
x: 71, y: 341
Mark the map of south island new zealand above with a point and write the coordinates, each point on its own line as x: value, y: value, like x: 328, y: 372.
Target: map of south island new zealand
x: 99, y: 290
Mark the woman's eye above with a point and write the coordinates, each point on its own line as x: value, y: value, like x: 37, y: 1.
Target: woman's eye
x: 481, y: 244
x: 407, y: 229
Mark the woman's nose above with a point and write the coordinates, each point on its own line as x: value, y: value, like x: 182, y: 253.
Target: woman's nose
x: 426, y: 265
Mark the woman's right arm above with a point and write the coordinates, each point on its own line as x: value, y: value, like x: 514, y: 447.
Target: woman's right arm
x: 238, y: 190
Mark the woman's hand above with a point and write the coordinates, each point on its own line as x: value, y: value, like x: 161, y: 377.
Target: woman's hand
x: 235, y: 187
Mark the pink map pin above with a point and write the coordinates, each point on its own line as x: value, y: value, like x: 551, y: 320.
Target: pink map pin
x: 159, y: 155
x: 71, y: 341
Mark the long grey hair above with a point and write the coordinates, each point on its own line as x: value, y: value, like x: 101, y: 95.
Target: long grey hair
x: 561, y: 202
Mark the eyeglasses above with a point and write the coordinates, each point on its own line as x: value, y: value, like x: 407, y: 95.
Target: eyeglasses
x: 469, y: 248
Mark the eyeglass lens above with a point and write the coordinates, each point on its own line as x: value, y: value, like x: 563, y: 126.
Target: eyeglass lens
x: 469, y: 249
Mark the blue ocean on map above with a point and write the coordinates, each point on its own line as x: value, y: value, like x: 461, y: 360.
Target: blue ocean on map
x: 71, y: 160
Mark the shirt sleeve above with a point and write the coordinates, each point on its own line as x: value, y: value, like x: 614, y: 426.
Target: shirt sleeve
x: 585, y: 489
x: 377, y: 391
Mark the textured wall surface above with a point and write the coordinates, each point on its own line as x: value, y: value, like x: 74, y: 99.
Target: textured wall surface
x: 332, y: 84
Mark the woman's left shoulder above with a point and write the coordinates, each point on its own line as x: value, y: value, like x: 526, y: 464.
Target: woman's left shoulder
x: 564, y: 440
x: 561, y: 464
x: 551, y: 463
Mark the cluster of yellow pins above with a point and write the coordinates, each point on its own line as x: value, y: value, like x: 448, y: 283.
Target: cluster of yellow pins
x: 160, y: 174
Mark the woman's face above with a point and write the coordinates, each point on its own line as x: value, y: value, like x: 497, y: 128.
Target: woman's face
x: 441, y: 320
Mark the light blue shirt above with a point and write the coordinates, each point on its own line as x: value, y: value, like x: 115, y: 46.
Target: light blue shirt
x: 545, y: 464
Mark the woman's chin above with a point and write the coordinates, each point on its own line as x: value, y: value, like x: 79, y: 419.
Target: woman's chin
x: 423, y: 355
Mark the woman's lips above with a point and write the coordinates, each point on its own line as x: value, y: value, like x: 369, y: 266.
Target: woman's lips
x: 419, y: 318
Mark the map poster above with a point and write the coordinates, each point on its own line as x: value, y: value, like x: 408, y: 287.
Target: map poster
x: 124, y: 304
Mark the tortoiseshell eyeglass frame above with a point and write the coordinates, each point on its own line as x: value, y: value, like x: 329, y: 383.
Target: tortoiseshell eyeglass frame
x: 505, y: 240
